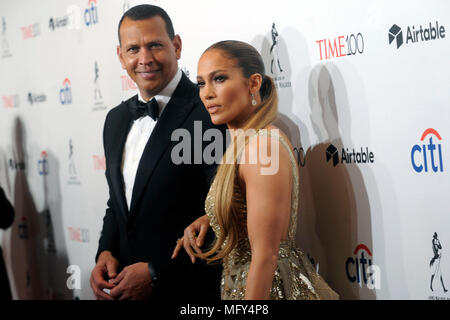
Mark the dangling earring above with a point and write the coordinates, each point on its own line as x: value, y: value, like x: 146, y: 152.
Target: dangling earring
x: 253, y: 100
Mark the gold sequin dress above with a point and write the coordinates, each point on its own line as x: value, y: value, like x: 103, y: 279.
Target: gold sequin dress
x: 295, y: 277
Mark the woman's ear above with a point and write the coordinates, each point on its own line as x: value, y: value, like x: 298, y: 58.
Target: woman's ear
x: 255, y: 82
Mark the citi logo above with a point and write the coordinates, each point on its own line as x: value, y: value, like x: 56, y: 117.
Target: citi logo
x: 360, y: 269
x: 43, y: 164
x: 65, y: 93
x: 23, y: 229
x: 348, y: 157
x: 432, y: 31
x: 91, y: 14
x: 423, y: 155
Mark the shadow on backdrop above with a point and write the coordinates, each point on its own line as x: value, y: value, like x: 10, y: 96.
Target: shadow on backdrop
x: 342, y: 213
x: 26, y: 269
x: 54, y: 246
x: 334, y: 211
x: 37, y: 263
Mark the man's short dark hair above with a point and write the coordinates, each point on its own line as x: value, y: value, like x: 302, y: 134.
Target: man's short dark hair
x: 147, y: 11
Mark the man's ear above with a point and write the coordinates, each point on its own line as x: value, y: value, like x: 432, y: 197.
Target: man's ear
x: 178, y: 46
x: 119, y: 54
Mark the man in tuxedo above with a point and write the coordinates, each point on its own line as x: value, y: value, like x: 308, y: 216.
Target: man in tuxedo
x: 6, y: 220
x: 152, y: 199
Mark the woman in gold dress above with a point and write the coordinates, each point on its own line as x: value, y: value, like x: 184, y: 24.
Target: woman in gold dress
x: 253, y: 200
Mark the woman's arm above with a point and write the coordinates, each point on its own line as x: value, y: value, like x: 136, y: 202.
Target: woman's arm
x: 268, y: 212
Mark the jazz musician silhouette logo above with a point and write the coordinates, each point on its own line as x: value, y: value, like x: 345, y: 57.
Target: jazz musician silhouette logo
x: 97, y: 92
x: 5, y: 45
x: 73, y: 176
x: 274, y: 49
x: 435, y: 262
x: 72, y: 170
x: 4, y: 41
x: 3, y: 26
x: 98, y: 98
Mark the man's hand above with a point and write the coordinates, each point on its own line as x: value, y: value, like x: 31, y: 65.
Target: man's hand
x: 134, y: 282
x: 106, y: 267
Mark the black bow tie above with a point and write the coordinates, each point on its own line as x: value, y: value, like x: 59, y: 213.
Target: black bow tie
x: 141, y: 109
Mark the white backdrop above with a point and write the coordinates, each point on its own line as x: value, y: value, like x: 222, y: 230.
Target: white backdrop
x: 343, y: 88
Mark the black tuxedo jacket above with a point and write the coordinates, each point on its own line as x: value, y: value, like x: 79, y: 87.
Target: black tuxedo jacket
x: 166, y: 198
x: 6, y: 220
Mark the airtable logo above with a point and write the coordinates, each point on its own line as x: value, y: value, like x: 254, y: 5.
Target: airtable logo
x: 432, y: 31
x: 58, y: 22
x: 428, y: 157
x: 65, y: 94
x: 363, y: 155
x: 36, y: 98
x: 332, y: 152
x: 395, y: 33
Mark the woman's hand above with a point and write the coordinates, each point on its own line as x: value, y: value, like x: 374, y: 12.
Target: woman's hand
x: 194, y: 237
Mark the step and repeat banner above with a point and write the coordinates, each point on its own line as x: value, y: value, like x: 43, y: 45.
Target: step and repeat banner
x: 364, y: 95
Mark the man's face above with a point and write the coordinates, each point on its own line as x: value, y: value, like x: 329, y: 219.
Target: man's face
x: 148, y: 54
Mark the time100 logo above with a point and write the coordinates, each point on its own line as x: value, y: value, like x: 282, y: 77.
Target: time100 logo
x: 341, y: 46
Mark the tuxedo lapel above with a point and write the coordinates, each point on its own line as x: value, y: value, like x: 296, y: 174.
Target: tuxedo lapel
x: 175, y: 112
x: 120, y: 129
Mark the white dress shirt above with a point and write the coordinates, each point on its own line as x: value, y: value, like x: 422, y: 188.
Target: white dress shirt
x: 138, y: 136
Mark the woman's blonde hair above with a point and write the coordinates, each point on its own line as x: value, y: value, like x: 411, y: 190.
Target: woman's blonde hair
x: 226, y: 209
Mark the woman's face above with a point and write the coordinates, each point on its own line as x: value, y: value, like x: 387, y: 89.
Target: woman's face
x: 224, y: 90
